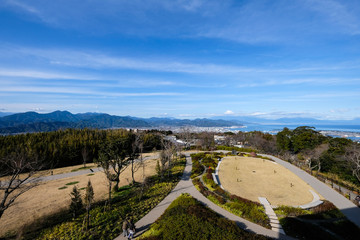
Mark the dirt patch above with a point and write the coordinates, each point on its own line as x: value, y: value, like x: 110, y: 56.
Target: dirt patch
x: 254, y: 177
x: 52, y: 196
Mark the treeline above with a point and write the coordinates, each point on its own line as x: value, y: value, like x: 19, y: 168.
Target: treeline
x: 306, y: 147
x: 72, y: 146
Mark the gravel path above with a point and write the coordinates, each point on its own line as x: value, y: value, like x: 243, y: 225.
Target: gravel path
x: 186, y: 186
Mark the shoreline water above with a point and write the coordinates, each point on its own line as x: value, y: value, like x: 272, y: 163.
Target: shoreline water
x: 345, y: 131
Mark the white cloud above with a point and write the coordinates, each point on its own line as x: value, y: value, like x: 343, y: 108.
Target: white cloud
x: 229, y: 112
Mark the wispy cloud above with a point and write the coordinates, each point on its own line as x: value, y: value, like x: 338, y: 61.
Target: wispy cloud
x: 82, y: 91
x: 22, y: 6
x: 245, y: 21
x: 98, y: 60
x: 308, y: 81
x: 42, y: 74
x: 338, y: 13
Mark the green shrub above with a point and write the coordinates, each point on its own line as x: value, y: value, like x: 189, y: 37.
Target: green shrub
x: 209, y: 182
x: 187, y: 218
x: 72, y: 183
x: 304, y: 230
x: 322, y: 222
x: 226, y: 148
x: 288, y: 211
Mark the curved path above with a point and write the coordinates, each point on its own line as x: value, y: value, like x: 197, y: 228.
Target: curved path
x: 349, y: 209
x: 186, y: 186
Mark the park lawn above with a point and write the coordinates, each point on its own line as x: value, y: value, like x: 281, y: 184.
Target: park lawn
x: 187, y: 219
x: 252, y: 178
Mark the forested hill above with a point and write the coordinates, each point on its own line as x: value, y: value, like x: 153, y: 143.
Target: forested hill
x: 35, y: 122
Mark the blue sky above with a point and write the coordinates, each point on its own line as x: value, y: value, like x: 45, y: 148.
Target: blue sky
x: 182, y: 58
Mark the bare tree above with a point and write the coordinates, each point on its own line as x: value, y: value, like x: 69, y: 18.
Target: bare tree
x: 312, y: 156
x: 207, y: 140
x: 165, y: 156
x: 17, y: 171
x: 352, y: 154
x: 185, y: 134
x: 136, y: 145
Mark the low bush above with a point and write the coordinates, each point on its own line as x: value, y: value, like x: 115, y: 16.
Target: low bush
x: 304, y: 230
x: 187, y: 218
x: 238, y: 199
x: 210, y: 161
x: 290, y: 211
x: 252, y: 212
x: 197, y: 169
x: 209, y: 182
x: 226, y: 148
x: 322, y: 222
x: 327, y: 210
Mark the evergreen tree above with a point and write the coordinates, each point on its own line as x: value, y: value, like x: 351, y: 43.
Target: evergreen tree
x: 76, y: 204
x: 89, y: 198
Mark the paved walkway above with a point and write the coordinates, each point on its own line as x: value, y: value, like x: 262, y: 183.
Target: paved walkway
x: 186, y: 186
x: 274, y: 221
x: 349, y: 209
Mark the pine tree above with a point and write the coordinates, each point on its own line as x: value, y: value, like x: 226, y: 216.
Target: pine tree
x: 76, y: 204
x: 158, y: 168
x: 89, y: 198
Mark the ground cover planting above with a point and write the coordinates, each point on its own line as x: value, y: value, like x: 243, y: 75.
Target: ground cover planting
x: 250, y: 210
x: 130, y: 201
x: 322, y: 222
x: 187, y: 218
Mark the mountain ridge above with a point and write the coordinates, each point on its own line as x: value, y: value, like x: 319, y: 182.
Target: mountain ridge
x: 37, y: 122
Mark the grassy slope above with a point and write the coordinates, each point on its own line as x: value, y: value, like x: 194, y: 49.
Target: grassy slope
x: 106, y: 223
x: 186, y: 218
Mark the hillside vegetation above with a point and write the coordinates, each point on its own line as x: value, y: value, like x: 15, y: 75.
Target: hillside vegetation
x: 186, y: 218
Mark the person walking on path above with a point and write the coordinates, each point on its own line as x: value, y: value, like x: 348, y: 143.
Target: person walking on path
x: 125, y: 227
x: 131, y: 229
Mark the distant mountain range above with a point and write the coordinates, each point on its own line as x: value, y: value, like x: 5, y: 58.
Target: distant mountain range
x: 288, y: 121
x: 35, y: 122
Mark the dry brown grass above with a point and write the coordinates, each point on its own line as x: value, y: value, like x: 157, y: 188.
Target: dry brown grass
x: 47, y: 199
x: 253, y: 177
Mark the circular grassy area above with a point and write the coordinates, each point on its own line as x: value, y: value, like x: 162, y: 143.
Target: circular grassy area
x: 254, y: 177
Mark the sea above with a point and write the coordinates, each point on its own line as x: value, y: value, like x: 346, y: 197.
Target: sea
x: 346, y: 131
